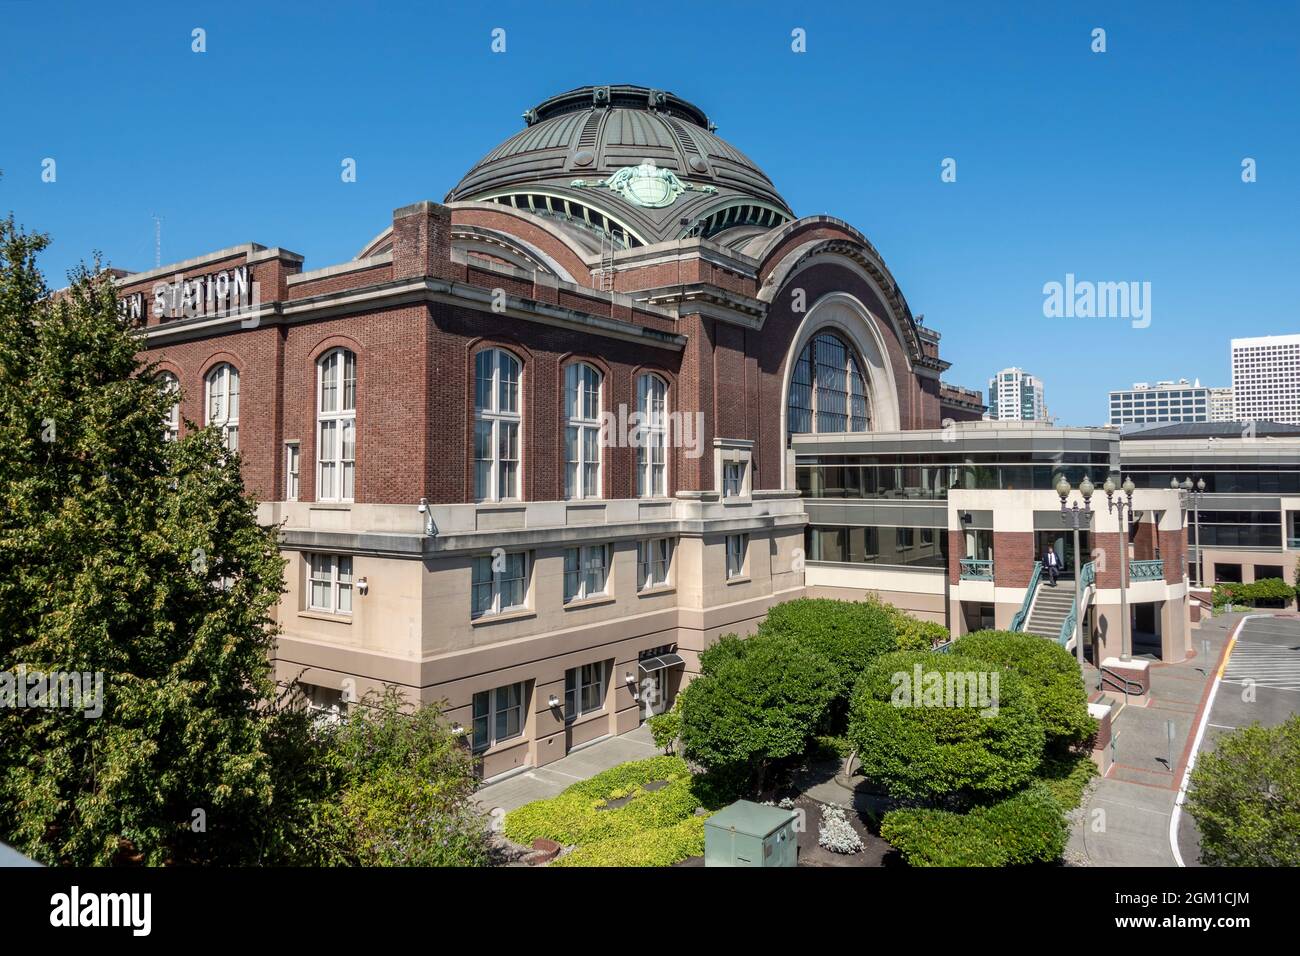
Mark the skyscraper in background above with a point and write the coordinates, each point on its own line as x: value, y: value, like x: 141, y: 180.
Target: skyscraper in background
x: 1266, y: 379
x: 1016, y: 396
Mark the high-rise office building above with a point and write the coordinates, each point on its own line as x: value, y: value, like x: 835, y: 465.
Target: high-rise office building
x: 1221, y: 409
x: 1166, y: 402
x: 1266, y: 379
x: 1016, y: 396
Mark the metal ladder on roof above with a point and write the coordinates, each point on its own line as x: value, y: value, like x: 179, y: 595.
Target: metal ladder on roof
x: 606, y: 274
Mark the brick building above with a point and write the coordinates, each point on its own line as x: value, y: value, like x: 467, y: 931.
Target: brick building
x: 530, y: 451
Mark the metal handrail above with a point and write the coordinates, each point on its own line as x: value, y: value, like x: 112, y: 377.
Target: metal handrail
x: 1146, y: 570
x: 1106, y: 675
x: 1018, y: 622
x: 1087, y: 578
x: 976, y: 569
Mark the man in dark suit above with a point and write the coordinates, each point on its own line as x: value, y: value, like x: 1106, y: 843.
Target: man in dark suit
x: 1051, y: 564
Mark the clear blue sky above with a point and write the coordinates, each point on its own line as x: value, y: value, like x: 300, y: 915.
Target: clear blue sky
x: 1119, y: 166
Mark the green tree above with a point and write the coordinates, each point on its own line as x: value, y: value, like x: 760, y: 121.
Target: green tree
x: 849, y: 634
x: 922, y: 746
x: 757, y: 701
x: 407, y: 789
x: 134, y: 557
x: 1245, y: 797
x: 1051, y: 676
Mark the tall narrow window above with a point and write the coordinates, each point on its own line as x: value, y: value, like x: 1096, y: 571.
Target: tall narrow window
x: 336, y: 412
x: 586, y: 572
x: 291, y: 465
x: 172, y: 389
x: 584, y: 689
x: 496, y: 426
x: 654, y: 559
x: 828, y: 391
x: 582, y: 431
x: 223, y: 403
x: 651, y: 453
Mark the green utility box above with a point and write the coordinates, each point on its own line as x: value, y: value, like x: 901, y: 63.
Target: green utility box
x: 750, y: 834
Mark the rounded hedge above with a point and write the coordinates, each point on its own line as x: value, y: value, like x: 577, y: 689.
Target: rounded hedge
x: 920, y: 745
x: 849, y: 634
x: 756, y: 700
x: 1027, y: 827
x: 1051, y: 676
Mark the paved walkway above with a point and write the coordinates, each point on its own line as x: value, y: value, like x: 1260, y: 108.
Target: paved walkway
x: 540, y: 783
x: 1124, y: 820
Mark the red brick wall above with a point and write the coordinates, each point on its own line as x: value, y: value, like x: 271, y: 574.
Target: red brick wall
x: 1013, y: 558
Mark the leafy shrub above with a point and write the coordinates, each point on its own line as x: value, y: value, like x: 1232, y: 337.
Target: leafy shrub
x: 399, y: 819
x: 1051, y: 676
x: 917, y: 635
x: 665, y: 728
x: 919, y: 750
x: 662, y: 847
x: 835, y: 833
x: 849, y: 634
x: 1067, y: 777
x: 1271, y: 592
x: 647, y: 831
x: 757, y: 702
x: 1245, y: 797
x: 1027, y: 827
x: 578, y: 814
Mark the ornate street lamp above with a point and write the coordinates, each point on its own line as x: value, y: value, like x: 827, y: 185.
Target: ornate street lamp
x: 1124, y: 506
x: 1075, y: 515
x: 1194, y: 493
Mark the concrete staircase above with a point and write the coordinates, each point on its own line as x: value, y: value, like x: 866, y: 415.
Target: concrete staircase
x: 1051, y: 607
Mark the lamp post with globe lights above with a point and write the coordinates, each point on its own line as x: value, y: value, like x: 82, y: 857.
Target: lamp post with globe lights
x: 1074, y: 515
x: 1193, y: 494
x: 1124, y: 506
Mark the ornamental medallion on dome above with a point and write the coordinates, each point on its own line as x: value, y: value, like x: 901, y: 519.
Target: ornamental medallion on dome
x: 646, y: 185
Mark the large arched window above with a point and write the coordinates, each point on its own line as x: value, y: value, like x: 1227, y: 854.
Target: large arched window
x: 336, y: 431
x: 496, y: 425
x: 171, y: 387
x: 828, y: 392
x: 652, y: 450
x: 582, y: 431
x: 223, y: 403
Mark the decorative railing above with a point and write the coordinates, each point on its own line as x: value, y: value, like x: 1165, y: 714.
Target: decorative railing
x: 1018, y: 622
x: 976, y: 569
x: 1293, y: 544
x: 1087, y: 578
x: 1146, y: 570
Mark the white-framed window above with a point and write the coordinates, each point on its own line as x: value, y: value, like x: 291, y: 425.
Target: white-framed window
x: 584, y: 689
x: 497, y: 422
x: 292, y: 464
x: 222, y: 386
x: 586, y: 571
x: 498, y: 715
x: 499, y: 584
x: 336, y: 416
x: 329, y: 584
x: 737, y: 545
x: 171, y: 387
x: 652, y: 451
x: 654, y: 558
x: 733, y: 479
x: 582, y: 431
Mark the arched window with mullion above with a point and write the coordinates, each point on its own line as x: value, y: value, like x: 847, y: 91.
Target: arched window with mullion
x: 582, y: 451
x: 497, y: 421
x: 336, y: 412
x: 222, y: 386
x: 828, y: 390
